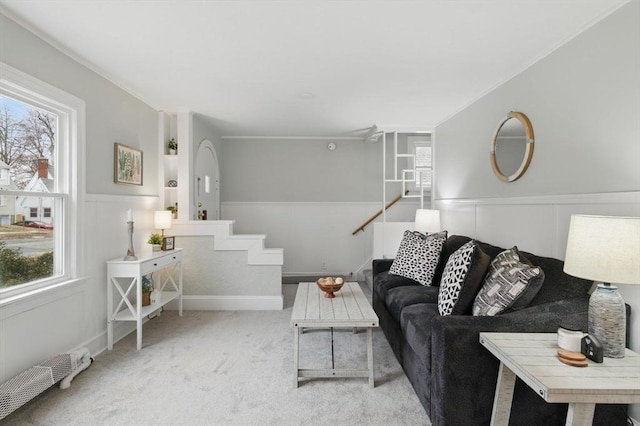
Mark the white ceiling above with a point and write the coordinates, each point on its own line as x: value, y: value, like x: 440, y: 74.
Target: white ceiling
x: 309, y: 67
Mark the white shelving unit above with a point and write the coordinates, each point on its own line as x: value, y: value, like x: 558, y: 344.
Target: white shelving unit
x: 170, y: 173
x: 125, y: 277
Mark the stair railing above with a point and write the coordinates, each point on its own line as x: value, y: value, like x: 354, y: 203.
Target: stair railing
x: 375, y: 216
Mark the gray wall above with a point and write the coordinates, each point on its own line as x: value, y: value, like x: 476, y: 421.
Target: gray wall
x: 299, y: 170
x: 203, y: 130
x: 308, y: 200
x: 112, y: 114
x: 61, y: 319
x: 584, y: 103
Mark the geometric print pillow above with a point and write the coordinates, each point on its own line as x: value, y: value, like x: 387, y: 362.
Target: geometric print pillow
x: 462, y: 278
x: 505, y: 282
x: 532, y: 289
x: 418, y: 256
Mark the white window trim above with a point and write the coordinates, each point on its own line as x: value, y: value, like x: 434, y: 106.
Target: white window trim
x: 71, y: 114
x: 412, y: 144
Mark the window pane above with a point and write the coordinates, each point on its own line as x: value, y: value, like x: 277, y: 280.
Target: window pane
x: 423, y: 156
x: 423, y: 164
x: 26, y: 245
x: 28, y: 145
x: 425, y: 173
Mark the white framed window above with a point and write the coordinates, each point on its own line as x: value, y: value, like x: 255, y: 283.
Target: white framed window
x: 61, y: 193
x: 420, y: 146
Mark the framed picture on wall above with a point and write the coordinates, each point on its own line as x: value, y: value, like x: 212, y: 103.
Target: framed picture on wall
x: 127, y: 165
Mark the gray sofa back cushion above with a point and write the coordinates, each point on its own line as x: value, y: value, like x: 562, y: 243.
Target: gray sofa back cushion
x: 556, y: 286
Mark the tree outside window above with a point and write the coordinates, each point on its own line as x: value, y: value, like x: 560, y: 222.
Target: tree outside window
x: 27, y: 145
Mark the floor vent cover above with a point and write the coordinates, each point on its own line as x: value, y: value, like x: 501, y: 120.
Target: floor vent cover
x: 30, y: 383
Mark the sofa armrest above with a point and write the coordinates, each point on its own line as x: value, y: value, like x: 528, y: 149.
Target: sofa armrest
x: 464, y: 373
x: 381, y: 265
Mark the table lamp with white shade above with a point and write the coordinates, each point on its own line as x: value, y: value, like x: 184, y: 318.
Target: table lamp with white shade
x: 162, y: 220
x: 427, y: 221
x: 605, y: 249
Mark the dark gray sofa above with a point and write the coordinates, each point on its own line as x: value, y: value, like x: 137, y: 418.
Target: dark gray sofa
x: 453, y: 375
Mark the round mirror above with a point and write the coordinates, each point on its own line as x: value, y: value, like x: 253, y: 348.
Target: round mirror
x: 512, y: 147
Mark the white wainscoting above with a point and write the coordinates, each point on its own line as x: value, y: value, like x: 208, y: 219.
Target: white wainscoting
x: 387, y: 237
x: 316, y: 236
x: 540, y: 225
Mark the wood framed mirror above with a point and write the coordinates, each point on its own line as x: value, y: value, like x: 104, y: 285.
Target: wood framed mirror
x: 512, y: 147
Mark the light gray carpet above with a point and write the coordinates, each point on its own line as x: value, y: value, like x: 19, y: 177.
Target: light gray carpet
x: 230, y: 368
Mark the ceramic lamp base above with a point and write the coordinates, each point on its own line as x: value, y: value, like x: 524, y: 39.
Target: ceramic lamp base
x: 608, y: 319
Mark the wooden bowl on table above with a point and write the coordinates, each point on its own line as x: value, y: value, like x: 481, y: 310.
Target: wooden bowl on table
x: 330, y: 285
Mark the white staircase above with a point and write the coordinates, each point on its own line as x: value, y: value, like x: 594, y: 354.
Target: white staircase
x: 223, y: 271
x: 224, y: 240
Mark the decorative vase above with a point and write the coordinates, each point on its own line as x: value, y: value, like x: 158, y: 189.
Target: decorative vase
x: 146, y: 299
x: 607, y: 319
x: 173, y: 151
x: 156, y: 247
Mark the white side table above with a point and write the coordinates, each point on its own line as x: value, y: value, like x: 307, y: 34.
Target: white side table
x: 533, y: 358
x: 125, y: 276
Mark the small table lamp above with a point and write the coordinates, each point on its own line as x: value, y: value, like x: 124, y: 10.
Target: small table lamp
x: 605, y: 249
x: 162, y: 220
x: 427, y: 221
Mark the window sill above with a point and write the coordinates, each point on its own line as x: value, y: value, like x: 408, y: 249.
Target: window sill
x: 29, y: 299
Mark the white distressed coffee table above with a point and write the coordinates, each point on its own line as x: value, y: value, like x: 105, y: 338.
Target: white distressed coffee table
x: 349, y: 309
x: 533, y: 358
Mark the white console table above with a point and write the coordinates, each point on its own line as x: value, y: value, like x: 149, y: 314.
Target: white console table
x: 125, y: 276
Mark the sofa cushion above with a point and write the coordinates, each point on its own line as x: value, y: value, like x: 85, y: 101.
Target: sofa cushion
x: 462, y: 278
x: 452, y: 244
x: 506, y: 281
x: 415, y: 323
x: 384, y: 281
x: 418, y: 256
x: 400, y: 297
x: 557, y: 284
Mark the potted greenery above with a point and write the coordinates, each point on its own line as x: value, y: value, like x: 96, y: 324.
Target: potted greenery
x: 173, y: 146
x: 155, y: 240
x: 147, y: 288
x: 174, y: 212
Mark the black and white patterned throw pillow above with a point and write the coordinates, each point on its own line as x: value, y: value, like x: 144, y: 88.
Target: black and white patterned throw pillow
x: 418, y: 256
x: 462, y: 278
x: 507, y: 279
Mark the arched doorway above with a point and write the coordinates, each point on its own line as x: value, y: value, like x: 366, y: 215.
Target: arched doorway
x: 207, y: 181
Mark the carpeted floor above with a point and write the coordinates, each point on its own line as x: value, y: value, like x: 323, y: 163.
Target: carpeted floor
x: 229, y: 368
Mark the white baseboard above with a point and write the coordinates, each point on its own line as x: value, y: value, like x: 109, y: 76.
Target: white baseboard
x: 228, y: 303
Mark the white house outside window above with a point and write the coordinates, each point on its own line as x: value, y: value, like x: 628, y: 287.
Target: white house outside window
x: 42, y: 139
